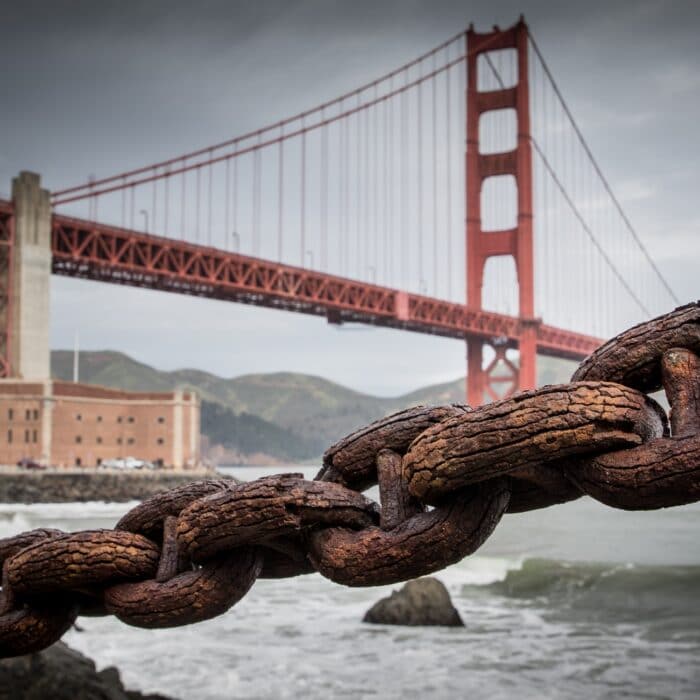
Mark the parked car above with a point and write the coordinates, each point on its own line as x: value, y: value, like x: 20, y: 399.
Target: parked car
x: 133, y: 463
x: 27, y: 463
x: 126, y: 463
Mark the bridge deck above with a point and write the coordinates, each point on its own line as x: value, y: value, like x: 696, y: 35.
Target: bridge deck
x: 108, y: 254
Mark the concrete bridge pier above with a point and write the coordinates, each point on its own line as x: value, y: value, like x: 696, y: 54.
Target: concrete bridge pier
x: 30, y: 272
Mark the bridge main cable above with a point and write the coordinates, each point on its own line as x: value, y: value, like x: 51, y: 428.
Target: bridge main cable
x: 94, y: 188
x: 60, y: 194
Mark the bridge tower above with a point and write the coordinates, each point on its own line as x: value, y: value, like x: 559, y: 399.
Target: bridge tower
x: 517, y: 242
x: 25, y: 274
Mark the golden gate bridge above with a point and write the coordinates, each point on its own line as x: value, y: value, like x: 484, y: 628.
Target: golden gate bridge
x: 455, y: 195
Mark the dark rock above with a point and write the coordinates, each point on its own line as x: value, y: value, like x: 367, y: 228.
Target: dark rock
x: 424, y: 601
x: 61, y: 673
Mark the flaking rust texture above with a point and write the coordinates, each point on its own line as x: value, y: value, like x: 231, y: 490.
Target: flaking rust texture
x: 147, y: 518
x: 540, y: 486
x: 267, y: 509
x: 79, y: 560
x: 660, y: 473
x: 10, y: 546
x: 632, y: 358
x: 421, y: 545
x: 35, y: 627
x: 351, y: 461
x: 529, y: 429
x: 193, y: 552
x: 191, y: 596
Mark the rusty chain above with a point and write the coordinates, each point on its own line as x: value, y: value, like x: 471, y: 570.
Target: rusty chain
x: 446, y: 476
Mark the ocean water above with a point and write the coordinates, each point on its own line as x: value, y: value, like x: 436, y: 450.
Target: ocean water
x: 575, y: 601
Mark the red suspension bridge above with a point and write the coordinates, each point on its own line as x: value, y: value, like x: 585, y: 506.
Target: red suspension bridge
x: 454, y: 196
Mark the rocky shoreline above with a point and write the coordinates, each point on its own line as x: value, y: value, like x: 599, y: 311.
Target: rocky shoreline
x: 61, y: 673
x: 104, y: 485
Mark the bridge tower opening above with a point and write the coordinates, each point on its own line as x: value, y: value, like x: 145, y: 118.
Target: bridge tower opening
x: 483, y: 382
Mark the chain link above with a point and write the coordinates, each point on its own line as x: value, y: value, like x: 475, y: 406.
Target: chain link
x: 446, y: 476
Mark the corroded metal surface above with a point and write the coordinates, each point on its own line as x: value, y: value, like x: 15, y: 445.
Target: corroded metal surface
x: 633, y: 358
x: 193, y: 552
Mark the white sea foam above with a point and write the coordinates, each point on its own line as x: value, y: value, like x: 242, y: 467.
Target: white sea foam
x: 12, y: 523
x: 57, y: 510
x: 478, y: 571
x: 18, y: 517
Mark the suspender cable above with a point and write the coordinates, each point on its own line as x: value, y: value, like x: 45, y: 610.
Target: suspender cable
x: 235, y: 205
x: 402, y: 193
x: 196, y: 228
x: 375, y: 192
x: 209, y: 203
x: 153, y: 209
x: 257, y: 166
x: 280, y: 194
x: 346, y: 194
x: 358, y: 180
x: 340, y: 179
x: 324, y: 199
x: 123, y: 222
x: 303, y: 198
x: 227, y: 203
x: 448, y: 176
x: 385, y: 194
x: 166, y: 205
x: 435, y: 190
x: 419, y: 197
x: 183, y: 199
x: 392, y: 191
x: 365, y: 264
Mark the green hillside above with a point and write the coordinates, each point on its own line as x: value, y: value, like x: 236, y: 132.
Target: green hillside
x: 246, y: 434
x: 109, y: 368
x: 288, y: 416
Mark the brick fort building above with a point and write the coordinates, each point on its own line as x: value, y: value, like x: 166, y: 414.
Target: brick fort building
x: 62, y: 423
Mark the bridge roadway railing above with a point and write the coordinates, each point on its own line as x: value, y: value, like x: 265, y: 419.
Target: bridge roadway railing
x: 95, y: 251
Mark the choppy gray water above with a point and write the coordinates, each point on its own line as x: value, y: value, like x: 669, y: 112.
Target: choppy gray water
x: 576, y: 601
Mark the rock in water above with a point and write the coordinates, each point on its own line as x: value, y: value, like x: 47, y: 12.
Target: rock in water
x: 424, y: 601
x: 61, y: 673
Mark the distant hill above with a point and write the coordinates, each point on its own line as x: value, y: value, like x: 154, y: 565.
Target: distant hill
x: 244, y: 435
x: 290, y: 417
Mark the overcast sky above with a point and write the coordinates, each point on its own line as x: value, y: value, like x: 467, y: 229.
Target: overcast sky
x: 99, y: 87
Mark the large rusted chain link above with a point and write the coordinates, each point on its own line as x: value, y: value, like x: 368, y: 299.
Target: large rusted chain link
x: 446, y: 476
